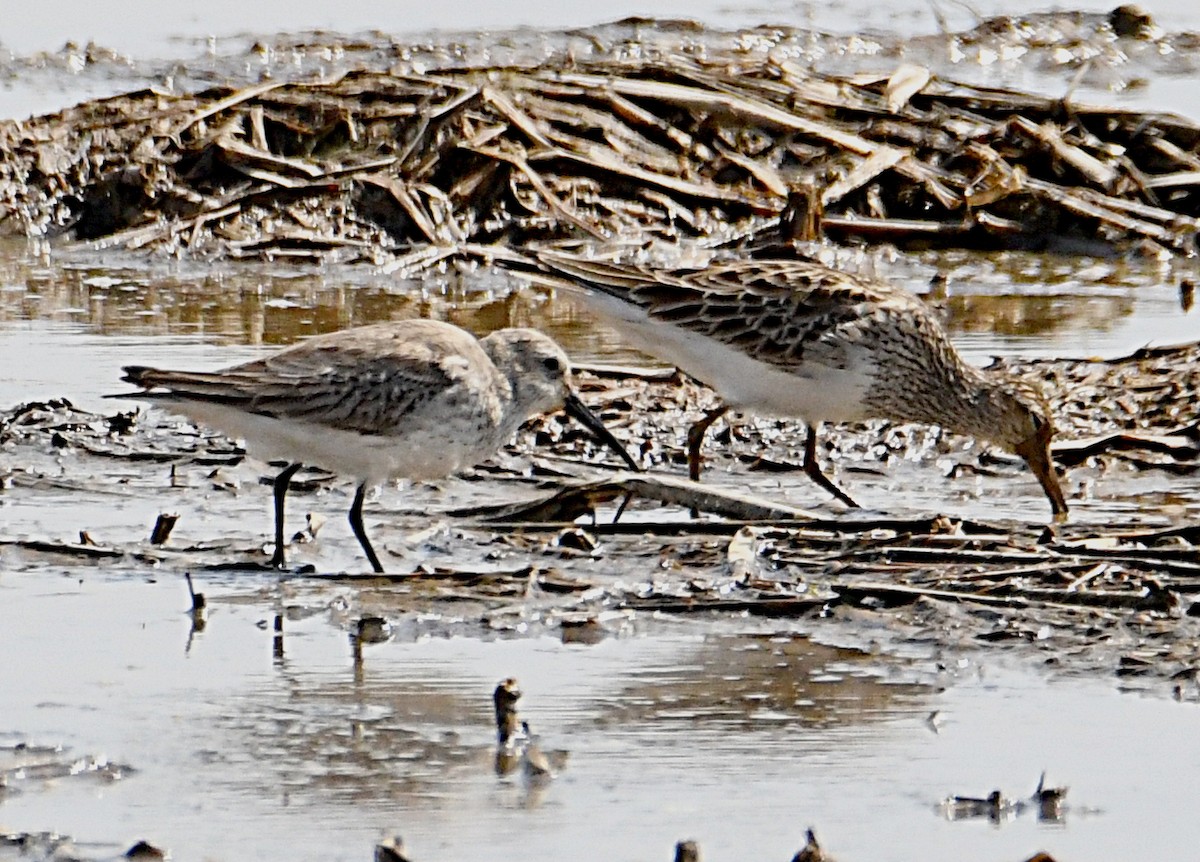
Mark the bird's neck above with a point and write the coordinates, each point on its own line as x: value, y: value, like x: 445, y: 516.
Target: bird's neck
x: 949, y: 393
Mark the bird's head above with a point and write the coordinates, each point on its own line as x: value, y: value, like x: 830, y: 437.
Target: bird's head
x: 539, y: 373
x: 1024, y: 426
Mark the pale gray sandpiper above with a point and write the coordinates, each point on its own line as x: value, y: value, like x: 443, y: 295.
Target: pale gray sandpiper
x: 416, y: 398
x: 788, y: 337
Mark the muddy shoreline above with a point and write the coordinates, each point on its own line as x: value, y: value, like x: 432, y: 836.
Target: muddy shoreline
x: 1104, y: 594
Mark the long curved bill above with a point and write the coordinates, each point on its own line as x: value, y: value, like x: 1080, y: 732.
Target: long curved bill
x: 578, y: 411
x: 1036, y: 453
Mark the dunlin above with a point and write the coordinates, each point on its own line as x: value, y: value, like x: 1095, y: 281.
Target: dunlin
x: 417, y: 398
x: 794, y: 338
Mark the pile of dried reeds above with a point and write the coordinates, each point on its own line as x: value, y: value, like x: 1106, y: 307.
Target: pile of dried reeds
x: 378, y: 165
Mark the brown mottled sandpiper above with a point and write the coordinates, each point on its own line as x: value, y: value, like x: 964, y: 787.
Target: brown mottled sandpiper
x: 787, y: 337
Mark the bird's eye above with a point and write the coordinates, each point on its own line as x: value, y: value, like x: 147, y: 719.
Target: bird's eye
x: 552, y: 364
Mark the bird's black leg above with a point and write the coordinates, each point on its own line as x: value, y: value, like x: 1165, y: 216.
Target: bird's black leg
x: 813, y: 470
x: 360, y: 532
x: 696, y: 436
x: 281, y: 488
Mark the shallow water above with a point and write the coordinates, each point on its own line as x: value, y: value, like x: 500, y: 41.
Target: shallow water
x: 164, y: 26
x: 732, y: 733
x: 1010, y: 303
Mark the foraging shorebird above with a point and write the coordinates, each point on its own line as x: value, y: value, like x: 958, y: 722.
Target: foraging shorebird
x: 795, y: 338
x: 419, y: 399
x: 504, y: 703
x: 516, y: 745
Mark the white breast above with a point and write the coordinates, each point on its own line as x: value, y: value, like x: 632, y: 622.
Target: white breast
x: 813, y: 392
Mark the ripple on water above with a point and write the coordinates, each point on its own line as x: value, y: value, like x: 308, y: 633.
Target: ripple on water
x: 305, y: 753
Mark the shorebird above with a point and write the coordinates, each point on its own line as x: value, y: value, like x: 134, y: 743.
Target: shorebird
x: 794, y: 338
x: 516, y: 745
x: 504, y: 703
x: 419, y: 399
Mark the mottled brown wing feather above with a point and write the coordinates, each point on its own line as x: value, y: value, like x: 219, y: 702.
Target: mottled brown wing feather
x: 772, y: 308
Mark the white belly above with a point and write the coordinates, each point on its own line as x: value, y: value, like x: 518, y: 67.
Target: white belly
x: 814, y: 392
x: 419, y: 452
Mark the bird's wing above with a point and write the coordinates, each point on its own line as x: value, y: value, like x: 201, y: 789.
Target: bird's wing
x: 773, y: 309
x: 324, y: 381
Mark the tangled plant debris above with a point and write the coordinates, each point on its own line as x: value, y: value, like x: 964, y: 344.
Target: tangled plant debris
x: 718, y: 146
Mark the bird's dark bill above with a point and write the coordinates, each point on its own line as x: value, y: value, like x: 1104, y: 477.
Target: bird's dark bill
x: 578, y: 411
x: 1036, y: 453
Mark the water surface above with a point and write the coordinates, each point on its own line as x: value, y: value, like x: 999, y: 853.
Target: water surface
x: 734, y: 733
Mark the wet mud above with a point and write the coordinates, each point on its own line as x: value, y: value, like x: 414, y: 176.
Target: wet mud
x: 531, y: 542
x: 894, y: 677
